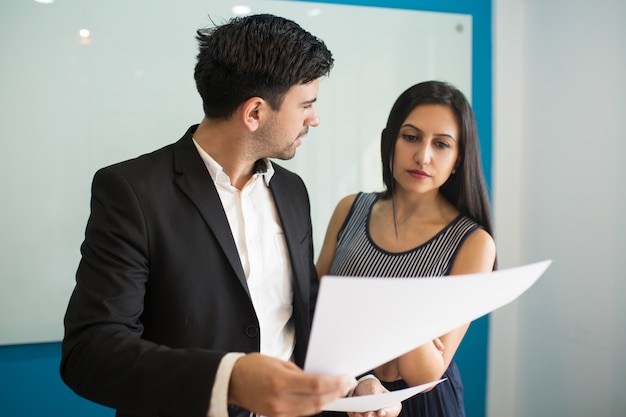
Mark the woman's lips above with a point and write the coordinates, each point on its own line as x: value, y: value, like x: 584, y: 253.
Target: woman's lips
x: 419, y: 173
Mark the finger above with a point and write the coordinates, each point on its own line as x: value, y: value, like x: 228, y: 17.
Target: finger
x: 332, y: 385
x: 382, y: 412
x: 392, y: 411
x: 439, y: 344
x: 307, y: 394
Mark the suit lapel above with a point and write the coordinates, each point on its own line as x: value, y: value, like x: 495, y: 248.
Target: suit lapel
x: 287, y: 200
x: 195, y: 181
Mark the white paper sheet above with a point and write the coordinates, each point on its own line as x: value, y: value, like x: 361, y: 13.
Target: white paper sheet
x: 361, y: 323
x: 361, y: 404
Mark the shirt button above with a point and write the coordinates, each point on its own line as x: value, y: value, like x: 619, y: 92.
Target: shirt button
x: 252, y: 331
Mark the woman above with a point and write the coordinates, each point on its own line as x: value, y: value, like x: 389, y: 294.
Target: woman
x: 432, y: 219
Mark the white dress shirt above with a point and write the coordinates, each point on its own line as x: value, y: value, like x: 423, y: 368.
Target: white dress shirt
x: 262, y: 248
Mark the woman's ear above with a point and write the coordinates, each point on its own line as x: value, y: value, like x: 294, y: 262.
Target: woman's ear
x: 457, y: 165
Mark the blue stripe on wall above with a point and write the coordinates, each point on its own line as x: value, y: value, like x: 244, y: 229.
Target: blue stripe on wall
x: 29, y: 374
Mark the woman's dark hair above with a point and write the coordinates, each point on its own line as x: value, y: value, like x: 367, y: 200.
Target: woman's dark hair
x: 466, y: 189
x: 259, y: 55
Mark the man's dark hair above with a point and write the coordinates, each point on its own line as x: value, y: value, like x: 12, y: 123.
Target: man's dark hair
x: 259, y: 55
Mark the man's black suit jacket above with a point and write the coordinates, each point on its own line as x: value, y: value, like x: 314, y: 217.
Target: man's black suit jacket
x: 160, y: 292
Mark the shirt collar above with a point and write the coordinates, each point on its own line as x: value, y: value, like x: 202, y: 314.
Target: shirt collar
x: 262, y: 167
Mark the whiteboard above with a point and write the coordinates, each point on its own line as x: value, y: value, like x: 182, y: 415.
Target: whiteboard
x: 70, y: 105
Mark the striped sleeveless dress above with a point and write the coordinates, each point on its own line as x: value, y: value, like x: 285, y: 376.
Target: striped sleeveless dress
x: 358, y: 255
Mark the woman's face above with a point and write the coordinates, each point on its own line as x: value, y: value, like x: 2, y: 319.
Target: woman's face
x: 427, y: 148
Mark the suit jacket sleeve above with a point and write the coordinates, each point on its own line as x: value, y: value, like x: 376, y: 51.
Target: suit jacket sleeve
x: 160, y: 295
x: 105, y: 356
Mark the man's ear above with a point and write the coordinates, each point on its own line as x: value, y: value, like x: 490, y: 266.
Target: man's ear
x: 253, y: 112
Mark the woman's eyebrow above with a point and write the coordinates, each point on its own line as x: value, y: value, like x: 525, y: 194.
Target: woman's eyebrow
x: 436, y: 134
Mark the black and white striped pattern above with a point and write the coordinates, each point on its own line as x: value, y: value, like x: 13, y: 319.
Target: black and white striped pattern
x: 358, y: 255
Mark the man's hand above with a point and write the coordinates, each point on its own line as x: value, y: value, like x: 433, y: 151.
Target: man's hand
x: 373, y: 386
x: 275, y: 388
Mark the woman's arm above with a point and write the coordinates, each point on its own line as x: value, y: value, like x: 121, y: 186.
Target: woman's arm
x: 429, y: 362
x: 327, y: 253
x: 324, y: 261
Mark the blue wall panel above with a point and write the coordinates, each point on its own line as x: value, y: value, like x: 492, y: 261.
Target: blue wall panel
x: 31, y: 385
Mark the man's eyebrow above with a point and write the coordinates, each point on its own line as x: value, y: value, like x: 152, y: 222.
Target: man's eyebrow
x: 313, y: 100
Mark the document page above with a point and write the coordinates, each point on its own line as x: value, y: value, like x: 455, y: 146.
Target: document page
x: 363, y: 322
x: 363, y: 403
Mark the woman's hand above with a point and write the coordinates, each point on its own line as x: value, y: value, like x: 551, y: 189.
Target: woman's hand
x: 373, y: 386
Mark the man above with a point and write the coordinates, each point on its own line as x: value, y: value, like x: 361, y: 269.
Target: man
x: 198, y: 256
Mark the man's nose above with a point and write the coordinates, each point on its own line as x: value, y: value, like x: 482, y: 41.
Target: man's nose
x: 314, y: 117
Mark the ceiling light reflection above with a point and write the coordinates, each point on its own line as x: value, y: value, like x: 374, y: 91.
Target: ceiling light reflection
x: 85, y: 36
x: 241, y: 10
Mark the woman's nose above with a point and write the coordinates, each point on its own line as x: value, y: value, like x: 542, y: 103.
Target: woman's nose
x: 422, y: 155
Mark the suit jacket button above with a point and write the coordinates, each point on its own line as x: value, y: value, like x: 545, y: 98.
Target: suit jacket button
x: 252, y: 331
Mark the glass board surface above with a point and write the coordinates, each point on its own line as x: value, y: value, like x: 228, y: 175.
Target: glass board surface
x: 87, y: 83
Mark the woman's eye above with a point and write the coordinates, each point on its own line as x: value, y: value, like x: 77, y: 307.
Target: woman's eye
x: 443, y: 145
x: 410, y: 138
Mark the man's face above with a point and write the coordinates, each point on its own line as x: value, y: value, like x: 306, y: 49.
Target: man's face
x: 282, y: 133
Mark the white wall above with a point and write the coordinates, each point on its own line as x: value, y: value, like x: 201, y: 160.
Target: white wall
x: 559, y: 103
